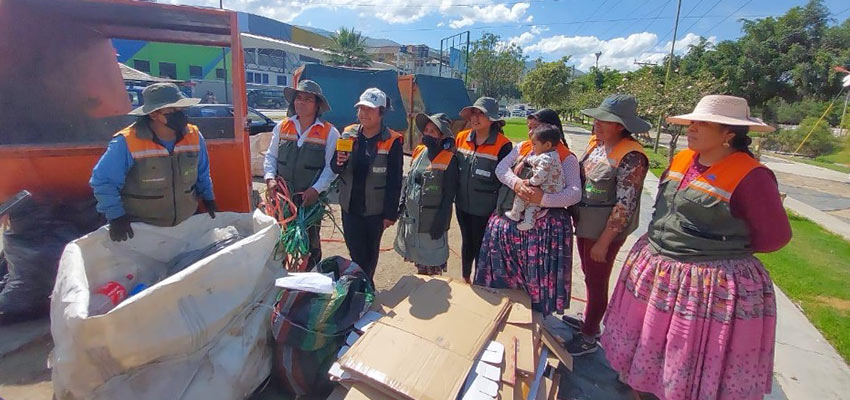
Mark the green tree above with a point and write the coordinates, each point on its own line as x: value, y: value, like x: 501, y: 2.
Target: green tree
x: 495, y: 67
x: 816, y: 138
x: 547, y: 85
x: 349, y: 49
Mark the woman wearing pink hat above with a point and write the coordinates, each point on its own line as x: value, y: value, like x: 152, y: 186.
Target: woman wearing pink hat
x: 693, y: 315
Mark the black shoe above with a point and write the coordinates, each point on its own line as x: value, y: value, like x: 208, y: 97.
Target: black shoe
x: 577, y: 324
x: 579, y: 346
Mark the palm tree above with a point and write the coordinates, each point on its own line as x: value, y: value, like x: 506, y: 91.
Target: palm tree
x: 349, y: 49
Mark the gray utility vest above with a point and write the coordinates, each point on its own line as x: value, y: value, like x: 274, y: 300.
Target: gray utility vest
x: 599, y: 191
x: 428, y: 190
x: 301, y: 166
x: 479, y: 186
x: 695, y: 223
x: 159, y: 189
x: 376, y: 179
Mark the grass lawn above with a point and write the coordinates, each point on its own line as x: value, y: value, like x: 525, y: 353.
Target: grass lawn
x: 814, y: 271
x: 657, y: 161
x: 515, y: 129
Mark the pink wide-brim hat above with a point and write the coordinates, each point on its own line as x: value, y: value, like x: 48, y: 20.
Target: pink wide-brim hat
x: 727, y: 110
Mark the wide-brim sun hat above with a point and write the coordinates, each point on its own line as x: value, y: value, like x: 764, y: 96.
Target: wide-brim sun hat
x: 307, y: 86
x: 722, y: 109
x: 441, y: 120
x: 163, y: 95
x: 488, y: 106
x: 622, y: 109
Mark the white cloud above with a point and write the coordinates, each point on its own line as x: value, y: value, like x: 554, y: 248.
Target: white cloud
x: 522, y: 40
x: 618, y: 53
x: 488, y: 13
x: 392, y: 11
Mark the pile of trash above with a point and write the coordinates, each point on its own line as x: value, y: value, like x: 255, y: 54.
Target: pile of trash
x: 435, y: 338
x: 197, y: 326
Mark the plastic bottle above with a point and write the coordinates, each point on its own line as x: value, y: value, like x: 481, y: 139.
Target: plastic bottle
x: 108, y: 296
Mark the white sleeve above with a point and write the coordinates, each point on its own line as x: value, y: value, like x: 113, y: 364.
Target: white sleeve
x: 327, y: 176
x: 504, y: 171
x: 270, y: 161
x: 572, y: 190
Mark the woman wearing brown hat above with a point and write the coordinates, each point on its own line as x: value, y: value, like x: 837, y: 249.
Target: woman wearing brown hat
x: 479, y: 150
x: 693, y: 315
x: 612, y: 171
x: 429, y: 190
x: 538, y: 260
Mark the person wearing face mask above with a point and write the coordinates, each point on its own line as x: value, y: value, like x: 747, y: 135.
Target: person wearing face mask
x: 370, y: 179
x: 426, y: 205
x: 155, y: 170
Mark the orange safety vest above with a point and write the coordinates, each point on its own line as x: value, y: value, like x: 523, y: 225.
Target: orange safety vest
x: 301, y: 166
x: 526, y: 147
x: 159, y: 187
x: 478, y: 189
x: 695, y: 222
x: 376, y: 178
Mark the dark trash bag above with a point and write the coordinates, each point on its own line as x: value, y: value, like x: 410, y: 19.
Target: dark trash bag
x: 32, y: 246
x: 310, y: 328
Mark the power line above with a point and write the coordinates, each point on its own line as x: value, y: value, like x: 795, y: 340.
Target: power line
x: 842, y: 12
x: 626, y: 27
x: 611, y: 26
x: 727, y: 17
x: 344, y: 5
x: 593, y: 14
x: 697, y: 21
x: 661, y: 10
x: 686, y: 16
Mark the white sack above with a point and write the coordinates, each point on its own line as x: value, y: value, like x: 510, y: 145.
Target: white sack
x: 259, y: 146
x: 202, y: 333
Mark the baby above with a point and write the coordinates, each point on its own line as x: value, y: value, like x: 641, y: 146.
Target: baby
x: 546, y: 173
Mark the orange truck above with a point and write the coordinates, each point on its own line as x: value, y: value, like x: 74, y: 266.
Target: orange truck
x: 62, y: 94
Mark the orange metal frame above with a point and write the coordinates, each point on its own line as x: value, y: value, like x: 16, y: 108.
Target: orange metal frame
x: 63, y: 171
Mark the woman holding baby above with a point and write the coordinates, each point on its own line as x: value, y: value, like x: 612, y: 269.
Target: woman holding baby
x: 531, y: 247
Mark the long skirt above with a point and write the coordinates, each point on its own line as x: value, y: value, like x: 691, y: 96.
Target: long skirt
x: 538, y: 260
x: 692, y: 330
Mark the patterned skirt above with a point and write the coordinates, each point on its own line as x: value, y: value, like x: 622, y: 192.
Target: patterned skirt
x: 538, y: 260
x: 692, y: 330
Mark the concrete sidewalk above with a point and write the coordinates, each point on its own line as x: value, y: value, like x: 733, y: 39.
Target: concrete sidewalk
x: 779, y: 164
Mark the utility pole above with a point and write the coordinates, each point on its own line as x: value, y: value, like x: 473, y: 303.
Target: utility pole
x: 224, y: 62
x: 667, y: 77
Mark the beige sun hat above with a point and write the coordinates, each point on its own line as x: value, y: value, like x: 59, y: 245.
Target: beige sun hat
x: 722, y: 109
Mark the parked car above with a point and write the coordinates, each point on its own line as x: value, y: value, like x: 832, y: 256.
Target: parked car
x: 259, y: 122
x: 266, y: 98
x: 529, y: 111
x: 518, y: 113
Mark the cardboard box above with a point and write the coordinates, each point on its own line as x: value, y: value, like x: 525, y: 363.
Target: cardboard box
x: 426, y: 348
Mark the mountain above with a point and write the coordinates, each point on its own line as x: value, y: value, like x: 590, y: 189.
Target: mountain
x: 370, y: 42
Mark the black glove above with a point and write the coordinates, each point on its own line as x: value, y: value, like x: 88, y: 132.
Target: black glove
x: 436, y: 231
x: 211, y: 208
x: 120, y: 229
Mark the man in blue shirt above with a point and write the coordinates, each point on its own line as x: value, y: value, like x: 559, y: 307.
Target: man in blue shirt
x: 156, y: 169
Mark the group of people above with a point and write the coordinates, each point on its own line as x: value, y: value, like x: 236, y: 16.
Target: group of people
x: 693, y: 313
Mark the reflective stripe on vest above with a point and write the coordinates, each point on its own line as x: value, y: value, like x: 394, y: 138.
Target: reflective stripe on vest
x: 159, y: 188
x: 478, y: 190
x: 376, y: 178
x: 695, y: 222
x: 301, y: 166
x: 599, y: 190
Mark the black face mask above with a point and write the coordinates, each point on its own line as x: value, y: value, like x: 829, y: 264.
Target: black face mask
x: 177, y: 121
x: 431, y: 142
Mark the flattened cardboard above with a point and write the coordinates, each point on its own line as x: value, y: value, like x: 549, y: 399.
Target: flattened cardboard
x: 362, y: 391
x: 430, y: 356
x: 525, y: 345
x: 415, y: 368
x: 388, y: 299
x: 520, y: 305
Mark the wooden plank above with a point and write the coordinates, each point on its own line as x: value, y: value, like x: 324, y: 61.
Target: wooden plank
x: 557, y: 348
x: 509, y: 372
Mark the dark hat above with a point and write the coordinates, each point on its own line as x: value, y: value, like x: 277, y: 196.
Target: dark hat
x: 488, y: 105
x: 620, y: 108
x: 441, y: 120
x: 163, y: 95
x: 307, y: 86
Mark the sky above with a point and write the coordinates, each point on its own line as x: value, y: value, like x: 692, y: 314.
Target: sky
x: 625, y: 31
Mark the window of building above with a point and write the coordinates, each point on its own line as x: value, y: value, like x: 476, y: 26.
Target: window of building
x: 266, y: 79
x: 220, y: 73
x: 168, y: 70
x: 281, y: 80
x: 196, y: 72
x: 249, y: 77
x: 142, y: 65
